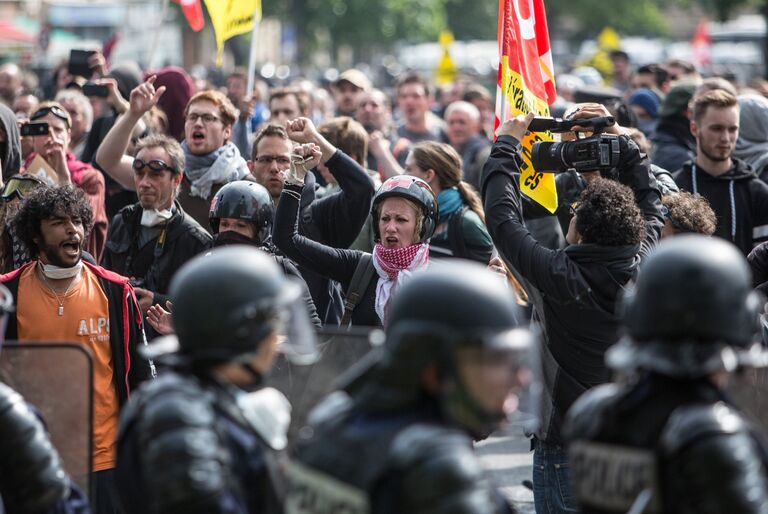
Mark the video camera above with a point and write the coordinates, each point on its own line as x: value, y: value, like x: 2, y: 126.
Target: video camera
x: 598, y: 152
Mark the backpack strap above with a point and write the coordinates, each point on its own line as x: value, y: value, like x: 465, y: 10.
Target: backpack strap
x: 456, y: 233
x: 360, y: 279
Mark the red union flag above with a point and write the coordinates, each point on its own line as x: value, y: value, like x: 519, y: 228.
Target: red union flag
x: 193, y: 12
x: 526, y: 84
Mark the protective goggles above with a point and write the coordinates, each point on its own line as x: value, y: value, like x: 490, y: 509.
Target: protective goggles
x: 154, y: 165
x: 667, y: 213
x: 51, y: 109
x: 19, y: 186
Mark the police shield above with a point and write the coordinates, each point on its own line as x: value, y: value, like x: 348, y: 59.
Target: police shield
x: 57, y: 380
x: 304, y: 386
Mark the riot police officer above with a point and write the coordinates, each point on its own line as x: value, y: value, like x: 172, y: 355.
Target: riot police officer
x: 33, y: 479
x: 398, y: 436
x: 669, y: 440
x: 206, y: 436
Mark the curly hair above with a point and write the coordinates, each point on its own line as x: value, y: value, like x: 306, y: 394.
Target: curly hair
x: 608, y: 215
x: 689, y: 212
x: 48, y: 202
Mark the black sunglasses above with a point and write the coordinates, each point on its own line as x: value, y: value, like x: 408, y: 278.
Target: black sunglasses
x: 154, y: 165
x: 51, y: 109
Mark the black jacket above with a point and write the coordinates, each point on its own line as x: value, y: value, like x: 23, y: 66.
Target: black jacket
x: 574, y: 291
x: 403, y: 460
x: 742, y: 218
x: 328, y: 263
x: 680, y: 439
x: 184, y: 238
x: 334, y: 220
x: 126, y: 332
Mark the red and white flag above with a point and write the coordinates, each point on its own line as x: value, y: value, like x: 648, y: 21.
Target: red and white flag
x: 701, y: 43
x: 193, y: 12
x: 526, y: 83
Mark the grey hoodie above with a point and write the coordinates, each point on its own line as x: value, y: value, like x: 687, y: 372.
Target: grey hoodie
x: 10, y: 150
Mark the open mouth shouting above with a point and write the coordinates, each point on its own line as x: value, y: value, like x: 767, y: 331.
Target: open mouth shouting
x: 198, y: 137
x: 71, y: 248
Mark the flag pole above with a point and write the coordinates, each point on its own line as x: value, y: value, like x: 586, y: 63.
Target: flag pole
x: 156, y: 38
x: 252, y: 54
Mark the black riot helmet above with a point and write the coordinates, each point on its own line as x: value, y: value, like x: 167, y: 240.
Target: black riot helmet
x: 415, y: 190
x: 444, y: 316
x: 226, y: 303
x: 244, y: 200
x: 692, y: 311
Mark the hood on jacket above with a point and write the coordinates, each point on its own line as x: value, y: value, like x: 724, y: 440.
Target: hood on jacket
x: 752, y: 144
x: 740, y: 170
x: 10, y: 150
x: 180, y: 88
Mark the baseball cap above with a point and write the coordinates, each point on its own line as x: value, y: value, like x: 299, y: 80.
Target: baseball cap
x: 355, y: 77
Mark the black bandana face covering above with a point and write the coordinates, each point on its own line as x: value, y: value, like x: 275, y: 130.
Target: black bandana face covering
x: 230, y: 237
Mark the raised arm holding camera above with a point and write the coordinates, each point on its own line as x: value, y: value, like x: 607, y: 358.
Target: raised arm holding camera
x: 574, y: 291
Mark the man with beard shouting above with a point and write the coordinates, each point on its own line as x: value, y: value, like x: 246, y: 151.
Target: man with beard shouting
x: 59, y: 297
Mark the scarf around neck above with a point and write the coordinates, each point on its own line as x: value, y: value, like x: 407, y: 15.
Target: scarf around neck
x: 449, y: 201
x: 223, y: 165
x: 394, y: 266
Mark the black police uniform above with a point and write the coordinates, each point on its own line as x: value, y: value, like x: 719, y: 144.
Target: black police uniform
x: 682, y: 441
x: 409, y: 461
x: 193, y: 441
x: 383, y: 445
x: 670, y: 441
x: 186, y: 447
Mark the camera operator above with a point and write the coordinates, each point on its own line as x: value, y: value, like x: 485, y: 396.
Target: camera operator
x: 574, y: 290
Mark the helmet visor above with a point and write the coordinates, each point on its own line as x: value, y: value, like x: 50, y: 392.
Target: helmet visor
x: 503, y: 377
x: 297, y: 335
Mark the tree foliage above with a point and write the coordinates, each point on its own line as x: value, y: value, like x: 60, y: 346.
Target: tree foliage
x: 366, y: 25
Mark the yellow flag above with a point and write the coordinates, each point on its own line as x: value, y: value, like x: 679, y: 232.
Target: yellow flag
x: 446, y: 70
x: 230, y: 18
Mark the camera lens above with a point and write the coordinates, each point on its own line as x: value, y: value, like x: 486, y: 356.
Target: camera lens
x: 547, y: 156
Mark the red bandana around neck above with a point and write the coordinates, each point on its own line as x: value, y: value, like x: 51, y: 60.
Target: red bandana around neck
x: 394, y: 260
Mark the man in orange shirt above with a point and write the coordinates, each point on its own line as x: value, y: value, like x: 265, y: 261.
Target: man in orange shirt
x: 61, y: 297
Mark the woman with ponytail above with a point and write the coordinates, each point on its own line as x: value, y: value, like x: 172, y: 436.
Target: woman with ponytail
x: 461, y: 230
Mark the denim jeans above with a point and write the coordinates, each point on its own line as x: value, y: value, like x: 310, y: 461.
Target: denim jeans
x: 551, y: 479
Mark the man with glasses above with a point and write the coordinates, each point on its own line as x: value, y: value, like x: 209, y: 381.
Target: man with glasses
x: 211, y: 159
x: 149, y: 240
x: 53, y: 147
x: 334, y: 220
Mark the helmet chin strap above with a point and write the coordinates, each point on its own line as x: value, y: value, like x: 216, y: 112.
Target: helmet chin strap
x: 256, y: 376
x: 459, y: 405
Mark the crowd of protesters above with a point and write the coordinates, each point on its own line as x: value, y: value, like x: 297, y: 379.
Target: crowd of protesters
x: 352, y: 189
